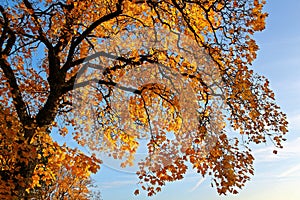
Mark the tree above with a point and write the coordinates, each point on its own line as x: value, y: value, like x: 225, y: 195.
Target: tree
x: 72, y: 181
x: 84, y: 62
x: 59, y: 172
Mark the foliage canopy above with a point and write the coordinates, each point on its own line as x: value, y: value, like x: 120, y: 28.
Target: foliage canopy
x: 49, y: 49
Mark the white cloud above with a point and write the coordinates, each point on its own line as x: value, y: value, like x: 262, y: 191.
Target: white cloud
x: 291, y: 150
x: 116, y: 184
x: 198, y: 184
x: 291, y: 172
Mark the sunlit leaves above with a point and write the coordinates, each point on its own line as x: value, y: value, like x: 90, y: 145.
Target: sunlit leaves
x: 112, y: 73
x: 51, y: 161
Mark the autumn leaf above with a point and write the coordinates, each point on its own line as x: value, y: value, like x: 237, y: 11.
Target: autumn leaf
x: 110, y: 73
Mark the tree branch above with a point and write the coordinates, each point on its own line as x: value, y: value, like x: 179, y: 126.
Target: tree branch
x: 42, y: 35
x: 9, y: 74
x: 87, y: 31
x: 72, y: 85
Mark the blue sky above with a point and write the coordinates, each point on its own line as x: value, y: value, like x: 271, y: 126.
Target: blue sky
x: 276, y: 176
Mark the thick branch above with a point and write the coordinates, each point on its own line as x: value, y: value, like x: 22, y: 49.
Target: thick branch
x: 54, y: 61
x: 127, y: 61
x: 48, y: 113
x: 89, y: 30
x: 9, y: 74
x: 72, y: 85
x: 16, y: 94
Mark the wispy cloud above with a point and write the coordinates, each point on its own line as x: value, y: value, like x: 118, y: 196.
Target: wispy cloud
x: 292, y: 171
x: 198, y: 184
x: 116, y: 184
x: 291, y: 150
